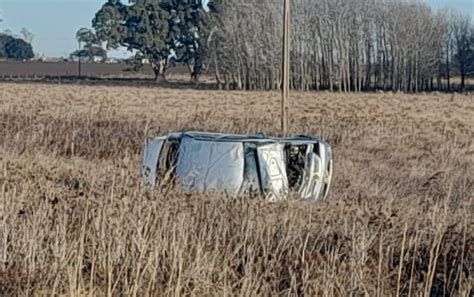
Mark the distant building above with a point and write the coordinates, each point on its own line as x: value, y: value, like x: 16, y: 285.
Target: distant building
x: 53, y: 59
x: 113, y: 61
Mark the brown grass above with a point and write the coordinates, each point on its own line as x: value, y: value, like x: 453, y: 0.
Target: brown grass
x: 75, y: 220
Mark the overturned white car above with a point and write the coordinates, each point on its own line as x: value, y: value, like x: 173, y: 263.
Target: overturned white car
x: 236, y: 164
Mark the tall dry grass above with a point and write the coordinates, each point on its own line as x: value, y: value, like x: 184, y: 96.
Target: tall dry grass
x: 75, y: 220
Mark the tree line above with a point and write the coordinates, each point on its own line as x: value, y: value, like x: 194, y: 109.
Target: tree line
x: 345, y: 45
x: 13, y: 47
x: 338, y: 45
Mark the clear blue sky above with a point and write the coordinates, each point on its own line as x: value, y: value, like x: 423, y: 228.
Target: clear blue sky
x: 55, y: 22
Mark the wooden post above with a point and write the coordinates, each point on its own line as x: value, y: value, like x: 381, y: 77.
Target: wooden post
x: 79, y: 67
x: 285, y: 67
x: 79, y: 61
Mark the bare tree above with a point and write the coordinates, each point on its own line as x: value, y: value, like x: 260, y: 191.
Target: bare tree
x: 462, y: 34
x: 27, y: 35
x: 339, y: 45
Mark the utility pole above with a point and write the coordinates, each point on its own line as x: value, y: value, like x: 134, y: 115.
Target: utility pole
x: 79, y: 61
x: 285, y: 67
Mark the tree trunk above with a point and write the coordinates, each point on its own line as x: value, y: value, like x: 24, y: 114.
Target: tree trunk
x: 448, y: 77
x: 159, y: 69
x: 217, y: 73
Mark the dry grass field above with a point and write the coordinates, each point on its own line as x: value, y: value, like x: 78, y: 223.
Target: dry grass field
x: 75, y: 220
